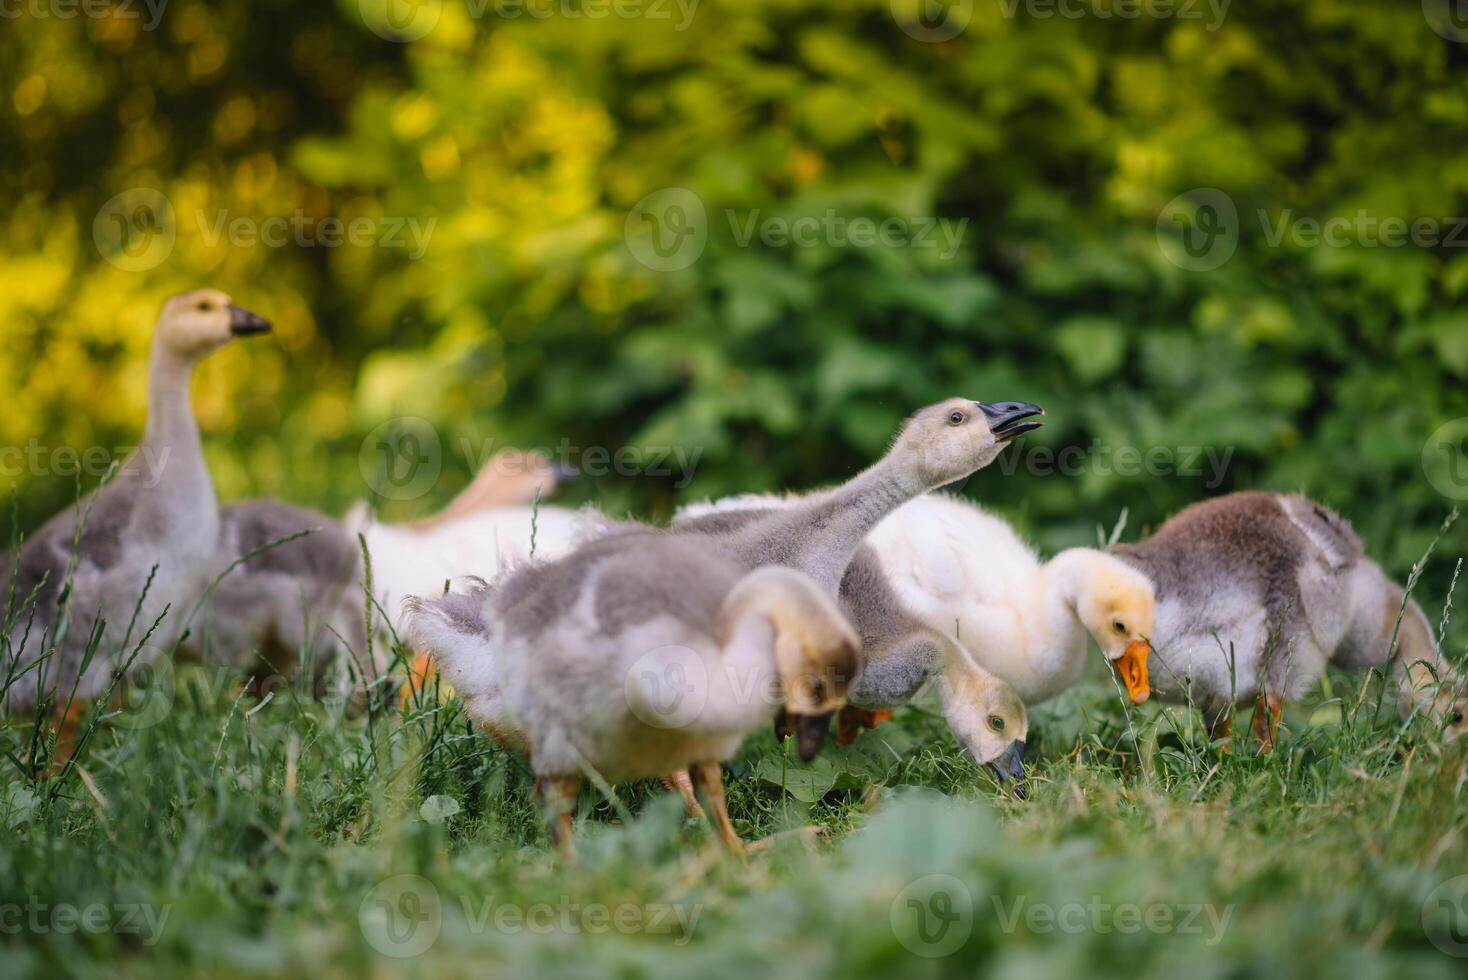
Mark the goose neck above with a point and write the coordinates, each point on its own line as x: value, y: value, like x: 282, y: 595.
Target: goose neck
x: 836, y: 522
x: 170, y: 416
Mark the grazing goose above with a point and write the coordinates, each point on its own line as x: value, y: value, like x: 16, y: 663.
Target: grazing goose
x: 1285, y: 584
x: 160, y: 511
x: 900, y: 653
x: 640, y: 653
x: 959, y: 567
x: 286, y: 593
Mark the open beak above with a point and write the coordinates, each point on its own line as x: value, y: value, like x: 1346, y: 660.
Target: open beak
x: 1010, y: 767
x: 810, y: 734
x: 243, y: 323
x: 1132, y: 666
x: 1010, y: 419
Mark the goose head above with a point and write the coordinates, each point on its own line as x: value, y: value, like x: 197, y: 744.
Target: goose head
x: 199, y: 322
x: 1450, y: 709
x: 1118, y: 607
x: 986, y: 716
x: 817, y: 652
x: 947, y: 441
x: 512, y: 477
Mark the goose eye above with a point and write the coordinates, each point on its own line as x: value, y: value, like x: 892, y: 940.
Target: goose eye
x: 1118, y: 625
x: 955, y: 418
x: 1455, y: 717
x: 203, y: 306
x: 996, y: 723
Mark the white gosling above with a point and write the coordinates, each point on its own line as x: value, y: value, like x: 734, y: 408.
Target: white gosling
x: 1258, y: 591
x: 967, y: 572
x: 639, y: 654
x: 159, y: 511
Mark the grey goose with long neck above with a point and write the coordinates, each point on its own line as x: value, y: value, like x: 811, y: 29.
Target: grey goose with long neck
x: 819, y: 533
x: 86, y: 568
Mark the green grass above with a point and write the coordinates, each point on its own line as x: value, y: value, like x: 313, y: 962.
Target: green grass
x: 261, y: 835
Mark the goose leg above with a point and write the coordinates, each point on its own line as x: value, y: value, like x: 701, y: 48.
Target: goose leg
x: 420, y: 672
x: 1267, y: 711
x: 851, y: 720
x: 710, y: 776
x: 558, y: 799
x: 682, y: 784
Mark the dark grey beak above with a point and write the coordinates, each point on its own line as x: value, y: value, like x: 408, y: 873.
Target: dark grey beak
x: 243, y: 323
x: 810, y: 734
x: 1010, y: 419
x: 563, y: 474
x: 1010, y: 766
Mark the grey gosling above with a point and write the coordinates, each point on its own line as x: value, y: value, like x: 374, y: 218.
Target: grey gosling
x: 85, y: 570
x: 286, y: 596
x: 1285, y: 583
x: 638, y: 654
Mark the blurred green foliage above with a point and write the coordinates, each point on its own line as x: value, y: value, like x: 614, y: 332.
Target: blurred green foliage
x: 527, y: 141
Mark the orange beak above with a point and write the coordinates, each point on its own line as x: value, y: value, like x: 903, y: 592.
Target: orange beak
x: 1132, y: 666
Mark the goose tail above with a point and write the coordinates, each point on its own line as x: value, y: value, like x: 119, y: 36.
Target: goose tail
x: 453, y: 629
x: 1328, y: 532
